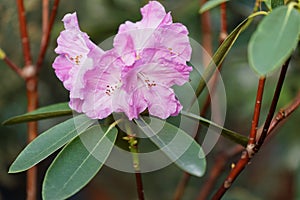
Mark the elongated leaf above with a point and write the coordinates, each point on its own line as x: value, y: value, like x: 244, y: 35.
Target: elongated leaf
x: 49, y: 141
x: 210, y: 4
x: 55, y: 110
x: 274, y: 40
x: 78, y: 163
x: 177, y: 145
x: 231, y: 135
x: 222, y: 51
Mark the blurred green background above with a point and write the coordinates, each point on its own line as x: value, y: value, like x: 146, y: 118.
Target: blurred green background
x: 274, y: 172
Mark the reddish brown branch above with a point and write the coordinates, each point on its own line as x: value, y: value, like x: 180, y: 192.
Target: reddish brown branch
x: 45, y: 17
x: 139, y: 185
x: 23, y: 32
x: 46, y: 34
x: 248, y: 152
x: 32, y: 104
x: 13, y: 66
x: 207, y: 33
x: 222, y: 159
x: 223, y: 32
x: 235, y: 171
x: 31, y: 86
x: 284, y: 113
x: 255, y: 120
x: 273, y: 105
x: 217, y: 169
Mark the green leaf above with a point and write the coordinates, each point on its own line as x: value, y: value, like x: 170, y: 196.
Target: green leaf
x: 78, y: 162
x: 55, y: 110
x: 274, y: 40
x: 222, y: 51
x: 181, y: 148
x: 210, y: 4
x: 50, y: 141
x: 231, y: 135
x: 276, y: 3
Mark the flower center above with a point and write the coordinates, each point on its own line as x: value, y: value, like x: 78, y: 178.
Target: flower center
x: 110, y: 89
x: 75, y: 59
x: 149, y: 83
x: 172, y: 52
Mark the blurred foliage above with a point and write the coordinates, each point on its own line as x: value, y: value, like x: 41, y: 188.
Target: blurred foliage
x: 273, y: 173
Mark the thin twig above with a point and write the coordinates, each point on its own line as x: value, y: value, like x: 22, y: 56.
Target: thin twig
x: 45, y: 17
x: 284, y: 113
x: 46, y: 36
x: 235, y: 171
x: 207, y: 34
x: 248, y: 152
x: 255, y: 120
x: 23, y: 32
x: 133, y: 147
x: 136, y: 166
x: 139, y: 182
x: 13, y: 66
x: 223, y: 33
x: 217, y: 169
x: 273, y: 105
x: 32, y: 104
x: 29, y: 74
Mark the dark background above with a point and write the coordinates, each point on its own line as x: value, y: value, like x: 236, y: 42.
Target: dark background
x: 273, y: 172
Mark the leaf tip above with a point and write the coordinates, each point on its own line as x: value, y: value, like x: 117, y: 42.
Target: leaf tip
x: 4, y: 123
x: 12, y: 170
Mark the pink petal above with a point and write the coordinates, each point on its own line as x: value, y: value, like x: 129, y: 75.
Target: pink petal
x: 175, y: 40
x: 167, y: 73
x: 62, y: 67
x: 161, y: 101
x: 132, y: 38
x: 102, y: 84
x: 151, y: 69
x: 154, y: 14
x: 76, y: 104
x: 77, y: 55
x: 70, y: 21
x: 125, y: 45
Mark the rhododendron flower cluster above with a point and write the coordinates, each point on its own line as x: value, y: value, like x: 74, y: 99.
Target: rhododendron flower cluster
x: 148, y: 57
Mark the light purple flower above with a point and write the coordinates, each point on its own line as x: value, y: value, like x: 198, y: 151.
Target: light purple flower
x: 77, y: 54
x: 147, y: 59
x: 155, y: 30
x: 154, y: 51
x: 148, y: 82
x: 103, y: 94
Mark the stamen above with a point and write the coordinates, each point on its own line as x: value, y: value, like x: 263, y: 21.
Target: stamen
x: 138, y: 56
x: 172, y: 52
x: 149, y: 83
x: 110, y: 89
x: 76, y: 59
